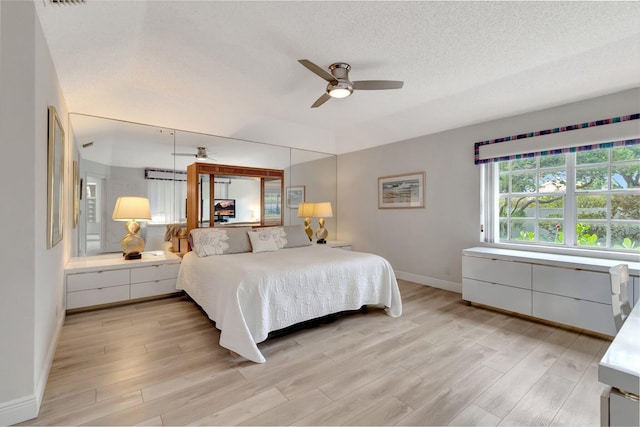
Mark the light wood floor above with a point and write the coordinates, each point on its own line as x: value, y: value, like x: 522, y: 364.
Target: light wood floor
x: 441, y: 363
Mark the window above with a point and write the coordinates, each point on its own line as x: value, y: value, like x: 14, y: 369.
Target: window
x: 586, y: 199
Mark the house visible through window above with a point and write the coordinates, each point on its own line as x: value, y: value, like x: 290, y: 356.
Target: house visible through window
x: 586, y: 199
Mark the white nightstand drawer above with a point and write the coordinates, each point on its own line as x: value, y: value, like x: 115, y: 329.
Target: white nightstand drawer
x: 97, y: 279
x: 154, y: 272
x: 148, y: 289
x: 97, y: 296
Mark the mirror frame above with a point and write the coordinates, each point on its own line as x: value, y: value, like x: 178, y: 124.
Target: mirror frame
x: 194, y: 170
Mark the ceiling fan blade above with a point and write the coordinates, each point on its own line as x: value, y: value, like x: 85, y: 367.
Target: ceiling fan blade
x: 377, y: 84
x: 317, y: 70
x: 324, y: 98
x: 183, y: 154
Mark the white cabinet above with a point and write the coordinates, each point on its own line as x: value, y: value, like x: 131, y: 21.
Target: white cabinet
x: 502, y: 284
x: 497, y: 271
x: 339, y: 245
x: 509, y: 298
x: 574, y: 291
x: 574, y: 297
x: 107, y: 279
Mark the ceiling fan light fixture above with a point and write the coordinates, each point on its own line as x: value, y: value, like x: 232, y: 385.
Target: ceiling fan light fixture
x: 202, y: 153
x: 339, y: 93
x: 339, y: 89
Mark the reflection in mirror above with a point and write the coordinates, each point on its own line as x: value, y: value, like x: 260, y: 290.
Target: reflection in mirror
x: 317, y: 172
x: 236, y: 200
x: 272, y: 201
x: 119, y: 158
x: 113, y: 158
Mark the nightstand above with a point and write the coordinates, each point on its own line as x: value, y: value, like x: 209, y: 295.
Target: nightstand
x: 347, y: 246
x: 106, y: 279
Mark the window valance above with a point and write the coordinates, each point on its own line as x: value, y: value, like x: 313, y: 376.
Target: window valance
x: 599, y: 134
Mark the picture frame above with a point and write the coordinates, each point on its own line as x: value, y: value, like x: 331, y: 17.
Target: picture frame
x: 55, y: 178
x: 76, y: 194
x: 295, y: 196
x: 401, y: 191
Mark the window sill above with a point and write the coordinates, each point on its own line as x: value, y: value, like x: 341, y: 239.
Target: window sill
x: 589, y: 253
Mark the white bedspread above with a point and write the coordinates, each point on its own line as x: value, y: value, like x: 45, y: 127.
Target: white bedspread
x: 249, y: 295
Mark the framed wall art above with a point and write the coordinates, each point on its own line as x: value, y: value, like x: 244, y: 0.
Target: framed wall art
x: 76, y: 194
x: 55, y: 179
x: 401, y: 191
x: 295, y: 196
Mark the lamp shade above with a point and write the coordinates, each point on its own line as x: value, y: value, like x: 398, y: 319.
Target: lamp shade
x: 132, y: 208
x: 322, y: 210
x: 305, y: 210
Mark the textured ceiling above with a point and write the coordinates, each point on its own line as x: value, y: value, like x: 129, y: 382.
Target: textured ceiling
x: 230, y: 68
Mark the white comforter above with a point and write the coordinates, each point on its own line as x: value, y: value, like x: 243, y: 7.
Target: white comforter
x: 249, y: 295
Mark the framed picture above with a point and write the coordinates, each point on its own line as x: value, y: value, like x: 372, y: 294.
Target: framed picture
x: 295, y: 196
x: 401, y: 191
x: 55, y: 179
x: 76, y: 194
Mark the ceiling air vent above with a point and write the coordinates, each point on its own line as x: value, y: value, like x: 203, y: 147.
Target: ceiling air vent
x: 67, y: 1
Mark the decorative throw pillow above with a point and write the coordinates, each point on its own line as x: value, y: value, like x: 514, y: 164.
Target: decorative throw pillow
x: 279, y: 236
x: 296, y: 236
x: 209, y: 241
x: 238, y: 240
x: 262, y: 240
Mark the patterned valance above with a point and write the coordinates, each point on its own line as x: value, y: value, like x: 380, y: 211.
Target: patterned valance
x: 594, y: 135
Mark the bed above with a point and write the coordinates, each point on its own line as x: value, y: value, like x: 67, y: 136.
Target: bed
x: 253, y: 282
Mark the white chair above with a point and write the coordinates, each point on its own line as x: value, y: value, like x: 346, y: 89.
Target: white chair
x: 619, y: 275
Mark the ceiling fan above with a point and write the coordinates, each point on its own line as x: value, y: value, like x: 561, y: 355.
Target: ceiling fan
x: 201, y: 154
x: 339, y: 84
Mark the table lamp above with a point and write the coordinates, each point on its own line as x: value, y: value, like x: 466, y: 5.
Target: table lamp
x: 132, y: 209
x: 322, y: 211
x: 305, y: 210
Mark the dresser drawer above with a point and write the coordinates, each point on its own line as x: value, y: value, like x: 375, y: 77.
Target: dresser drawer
x: 504, y: 297
x: 148, y: 289
x: 586, y: 285
x: 154, y: 272
x: 97, y: 279
x: 576, y: 312
x: 497, y: 271
x: 91, y: 297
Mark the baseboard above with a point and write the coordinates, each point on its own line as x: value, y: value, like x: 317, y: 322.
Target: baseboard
x: 430, y: 281
x: 27, y: 407
x: 41, y: 384
x: 18, y: 410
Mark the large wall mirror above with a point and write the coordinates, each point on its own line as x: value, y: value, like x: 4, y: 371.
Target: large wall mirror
x: 118, y: 158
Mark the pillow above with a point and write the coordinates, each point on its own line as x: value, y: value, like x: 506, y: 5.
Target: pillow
x: 296, y: 236
x: 262, y: 240
x: 209, y: 241
x: 238, y: 240
x: 219, y: 241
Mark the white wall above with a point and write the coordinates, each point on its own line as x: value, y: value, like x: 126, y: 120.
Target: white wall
x: 31, y: 291
x: 424, y: 245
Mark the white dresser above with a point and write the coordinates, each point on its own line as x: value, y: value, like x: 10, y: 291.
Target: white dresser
x: 106, y: 279
x: 570, y: 290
